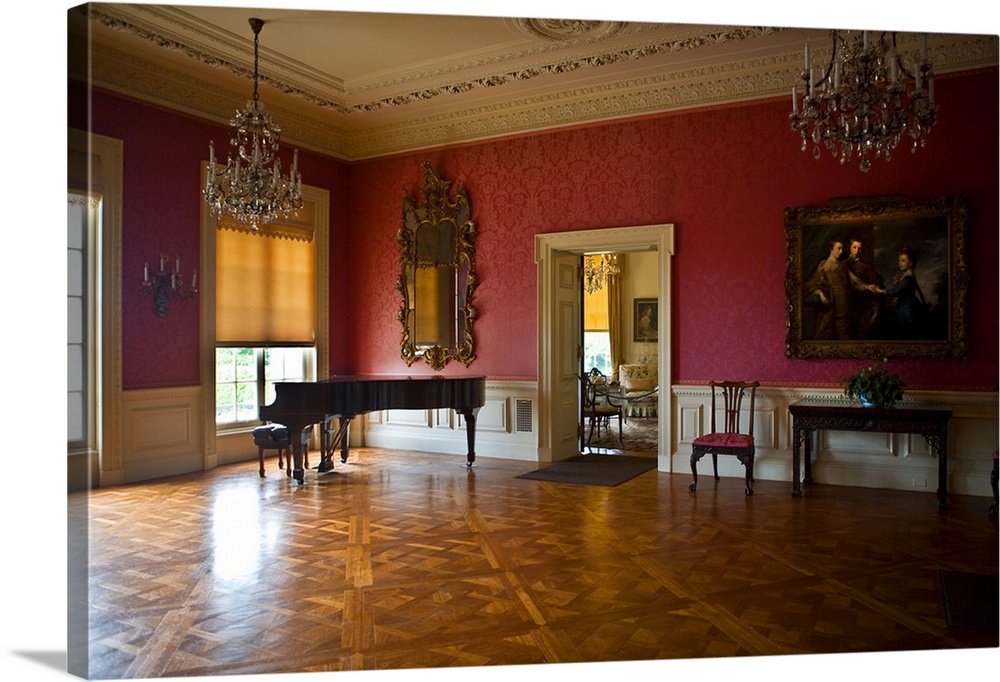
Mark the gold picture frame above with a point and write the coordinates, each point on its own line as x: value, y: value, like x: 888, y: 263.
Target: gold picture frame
x: 645, y: 318
x: 878, y: 305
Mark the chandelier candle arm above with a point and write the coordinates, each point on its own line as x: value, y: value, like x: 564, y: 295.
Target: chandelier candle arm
x: 256, y: 192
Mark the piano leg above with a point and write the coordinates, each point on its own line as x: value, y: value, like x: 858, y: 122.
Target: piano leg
x: 345, y: 437
x: 470, y: 434
x: 298, y: 470
x: 332, y: 439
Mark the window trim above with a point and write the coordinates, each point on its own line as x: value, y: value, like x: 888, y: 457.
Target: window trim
x: 308, y: 372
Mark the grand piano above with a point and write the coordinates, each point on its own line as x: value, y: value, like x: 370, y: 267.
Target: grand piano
x: 298, y: 405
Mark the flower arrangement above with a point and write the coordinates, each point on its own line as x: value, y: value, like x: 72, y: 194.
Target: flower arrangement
x: 874, y: 385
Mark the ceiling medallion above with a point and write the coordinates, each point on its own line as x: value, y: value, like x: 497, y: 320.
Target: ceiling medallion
x: 568, y: 29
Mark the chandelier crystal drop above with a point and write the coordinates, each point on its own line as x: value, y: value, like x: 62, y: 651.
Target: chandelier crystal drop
x: 597, y: 269
x: 868, y: 98
x: 251, y: 187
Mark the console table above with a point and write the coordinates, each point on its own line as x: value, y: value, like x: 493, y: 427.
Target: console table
x: 811, y: 415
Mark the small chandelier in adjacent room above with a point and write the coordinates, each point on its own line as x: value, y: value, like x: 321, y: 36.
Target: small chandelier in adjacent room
x: 597, y: 269
x: 251, y: 187
x: 866, y: 99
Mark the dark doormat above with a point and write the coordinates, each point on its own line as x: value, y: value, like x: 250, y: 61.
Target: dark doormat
x: 602, y: 470
x: 970, y: 600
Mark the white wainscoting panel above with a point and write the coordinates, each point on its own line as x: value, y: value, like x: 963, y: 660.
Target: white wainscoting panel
x: 164, y: 436
x: 163, y: 433
x: 505, y: 426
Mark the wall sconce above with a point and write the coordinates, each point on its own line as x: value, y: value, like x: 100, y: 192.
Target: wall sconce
x: 164, y: 285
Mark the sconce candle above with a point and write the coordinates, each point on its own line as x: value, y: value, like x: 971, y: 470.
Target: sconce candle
x: 164, y: 285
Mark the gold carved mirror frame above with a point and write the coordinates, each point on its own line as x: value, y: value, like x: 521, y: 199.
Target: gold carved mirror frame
x: 438, y: 277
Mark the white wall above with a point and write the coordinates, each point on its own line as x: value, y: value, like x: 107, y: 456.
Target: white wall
x: 641, y: 273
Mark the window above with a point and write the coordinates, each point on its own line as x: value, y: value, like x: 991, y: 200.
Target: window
x: 245, y: 378
x: 83, y: 212
x: 265, y: 316
x: 597, y: 351
x: 596, y: 332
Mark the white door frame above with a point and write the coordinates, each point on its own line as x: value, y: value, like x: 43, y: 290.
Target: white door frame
x: 659, y: 238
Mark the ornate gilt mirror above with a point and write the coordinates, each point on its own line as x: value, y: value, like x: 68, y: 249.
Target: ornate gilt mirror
x: 438, y: 274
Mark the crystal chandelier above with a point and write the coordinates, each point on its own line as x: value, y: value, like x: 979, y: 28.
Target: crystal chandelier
x: 866, y: 99
x: 251, y: 187
x: 596, y: 269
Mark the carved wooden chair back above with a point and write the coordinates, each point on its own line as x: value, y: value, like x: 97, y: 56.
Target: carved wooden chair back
x: 729, y: 395
x: 600, y: 413
x: 729, y: 439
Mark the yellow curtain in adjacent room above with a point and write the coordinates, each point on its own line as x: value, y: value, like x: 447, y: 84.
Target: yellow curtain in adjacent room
x: 265, y: 293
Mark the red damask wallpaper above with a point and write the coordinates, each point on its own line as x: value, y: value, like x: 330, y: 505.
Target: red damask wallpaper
x: 723, y: 176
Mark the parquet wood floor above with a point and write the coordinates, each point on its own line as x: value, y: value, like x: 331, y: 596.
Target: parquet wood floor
x: 408, y: 560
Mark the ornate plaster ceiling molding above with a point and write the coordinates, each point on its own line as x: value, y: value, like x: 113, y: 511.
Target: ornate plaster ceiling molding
x: 460, y: 101
x: 551, y: 29
x: 756, y: 78
x: 214, y: 58
x: 654, y: 94
x: 626, y: 53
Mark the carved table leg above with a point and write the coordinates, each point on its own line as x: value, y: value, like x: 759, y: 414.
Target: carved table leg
x: 939, y: 442
x: 797, y: 437
x: 807, y: 447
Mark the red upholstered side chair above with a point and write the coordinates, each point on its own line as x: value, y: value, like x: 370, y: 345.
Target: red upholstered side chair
x: 729, y: 439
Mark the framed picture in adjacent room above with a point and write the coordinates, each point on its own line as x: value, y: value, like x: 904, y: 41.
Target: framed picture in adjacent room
x: 645, y: 313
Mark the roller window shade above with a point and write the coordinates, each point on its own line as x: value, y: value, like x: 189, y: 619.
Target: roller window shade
x: 265, y: 289
x: 595, y: 311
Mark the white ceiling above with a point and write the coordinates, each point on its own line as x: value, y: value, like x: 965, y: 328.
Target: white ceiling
x: 363, y: 84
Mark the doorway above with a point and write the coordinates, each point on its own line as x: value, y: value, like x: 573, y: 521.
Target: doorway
x: 559, y: 313
x: 620, y: 341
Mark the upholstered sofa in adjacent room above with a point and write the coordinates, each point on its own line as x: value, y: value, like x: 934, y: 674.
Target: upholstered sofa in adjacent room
x: 637, y: 381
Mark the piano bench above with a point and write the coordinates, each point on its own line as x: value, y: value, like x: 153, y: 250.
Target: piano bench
x: 275, y: 437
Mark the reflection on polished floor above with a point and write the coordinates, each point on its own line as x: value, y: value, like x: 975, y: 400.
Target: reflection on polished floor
x: 402, y: 560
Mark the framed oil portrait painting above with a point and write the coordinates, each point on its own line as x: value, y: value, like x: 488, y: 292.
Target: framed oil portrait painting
x: 645, y: 313
x: 877, y: 279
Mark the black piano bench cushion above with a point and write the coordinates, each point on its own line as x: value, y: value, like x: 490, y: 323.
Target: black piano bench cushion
x: 276, y: 436
x: 271, y: 436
